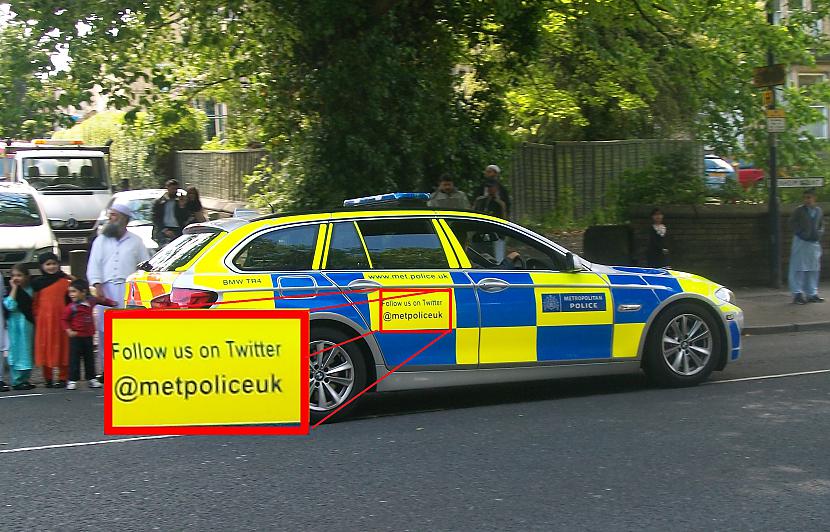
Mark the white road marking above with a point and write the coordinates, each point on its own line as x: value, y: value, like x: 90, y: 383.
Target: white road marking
x: 20, y: 395
x: 762, y: 377
x: 86, y: 443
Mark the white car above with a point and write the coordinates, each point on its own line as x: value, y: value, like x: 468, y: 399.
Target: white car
x: 140, y: 202
x: 24, y: 227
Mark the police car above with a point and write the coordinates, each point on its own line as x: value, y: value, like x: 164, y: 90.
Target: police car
x: 504, y: 303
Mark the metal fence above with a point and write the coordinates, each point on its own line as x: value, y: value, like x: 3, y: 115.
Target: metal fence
x: 217, y: 174
x: 578, y: 175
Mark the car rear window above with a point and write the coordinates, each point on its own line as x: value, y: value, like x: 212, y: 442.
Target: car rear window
x: 18, y: 210
x: 179, y: 252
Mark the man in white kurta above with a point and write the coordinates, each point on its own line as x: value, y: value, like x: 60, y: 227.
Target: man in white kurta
x: 807, y: 222
x: 114, y: 256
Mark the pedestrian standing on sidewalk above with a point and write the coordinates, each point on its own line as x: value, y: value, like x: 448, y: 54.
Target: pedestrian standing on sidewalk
x: 79, y: 325
x: 168, y: 215
x: 114, y: 256
x: 51, y: 345
x: 492, y: 174
x: 657, y: 253
x: 448, y: 197
x: 807, y: 222
x: 192, y: 205
x: 21, y: 323
x: 3, y: 340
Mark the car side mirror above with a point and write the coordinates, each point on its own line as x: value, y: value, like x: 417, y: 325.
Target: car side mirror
x: 570, y: 263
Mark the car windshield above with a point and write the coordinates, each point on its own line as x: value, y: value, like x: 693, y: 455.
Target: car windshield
x: 17, y: 210
x: 142, y: 209
x: 65, y: 173
x: 178, y: 252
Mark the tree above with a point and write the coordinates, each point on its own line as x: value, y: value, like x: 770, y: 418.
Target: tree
x: 29, y: 106
x: 612, y: 69
x: 353, y: 97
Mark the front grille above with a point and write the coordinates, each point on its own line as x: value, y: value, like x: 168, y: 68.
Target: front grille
x: 12, y: 256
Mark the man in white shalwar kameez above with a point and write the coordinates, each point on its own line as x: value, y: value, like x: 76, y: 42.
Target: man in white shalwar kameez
x: 807, y: 222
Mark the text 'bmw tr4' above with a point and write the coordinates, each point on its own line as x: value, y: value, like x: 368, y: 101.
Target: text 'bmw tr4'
x: 403, y: 297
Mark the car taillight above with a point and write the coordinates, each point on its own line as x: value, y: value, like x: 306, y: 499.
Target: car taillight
x: 185, y: 298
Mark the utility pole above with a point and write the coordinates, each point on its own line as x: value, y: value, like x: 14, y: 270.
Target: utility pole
x: 772, y: 202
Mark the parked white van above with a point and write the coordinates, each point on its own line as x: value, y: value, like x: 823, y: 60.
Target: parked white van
x: 72, y: 180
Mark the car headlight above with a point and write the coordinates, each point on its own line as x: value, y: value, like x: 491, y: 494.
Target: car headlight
x: 56, y: 224
x: 725, y: 295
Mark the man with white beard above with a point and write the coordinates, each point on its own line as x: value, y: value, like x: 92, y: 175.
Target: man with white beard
x: 115, y: 254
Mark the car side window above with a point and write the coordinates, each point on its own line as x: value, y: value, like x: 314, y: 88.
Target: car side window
x: 288, y: 249
x: 346, y: 250
x: 494, y: 247
x: 403, y: 244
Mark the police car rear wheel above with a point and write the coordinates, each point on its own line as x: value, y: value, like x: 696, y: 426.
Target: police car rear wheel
x: 683, y: 347
x: 336, y: 373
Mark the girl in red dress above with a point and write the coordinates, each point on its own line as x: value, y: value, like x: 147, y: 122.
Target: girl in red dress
x: 51, y: 343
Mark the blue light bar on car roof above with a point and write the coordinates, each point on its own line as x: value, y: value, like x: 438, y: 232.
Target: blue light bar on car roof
x: 392, y: 199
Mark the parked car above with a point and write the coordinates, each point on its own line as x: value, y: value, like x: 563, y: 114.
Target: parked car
x: 717, y: 173
x: 141, y: 203
x: 748, y: 175
x: 24, y: 228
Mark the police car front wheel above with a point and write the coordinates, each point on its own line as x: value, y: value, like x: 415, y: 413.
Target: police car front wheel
x: 337, y: 372
x: 683, y: 347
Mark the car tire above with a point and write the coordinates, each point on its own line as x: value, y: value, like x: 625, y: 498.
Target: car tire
x: 336, y: 375
x: 684, y: 345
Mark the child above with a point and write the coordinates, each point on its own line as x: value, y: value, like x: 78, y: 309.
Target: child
x: 51, y: 344
x: 21, y: 327
x: 79, y: 325
x: 3, y: 386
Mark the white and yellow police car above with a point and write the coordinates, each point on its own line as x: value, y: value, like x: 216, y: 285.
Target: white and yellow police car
x: 504, y: 303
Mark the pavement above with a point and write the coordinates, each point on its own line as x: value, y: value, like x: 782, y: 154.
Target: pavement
x: 771, y: 311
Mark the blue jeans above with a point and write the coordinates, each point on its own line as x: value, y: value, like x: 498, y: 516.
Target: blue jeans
x: 802, y: 282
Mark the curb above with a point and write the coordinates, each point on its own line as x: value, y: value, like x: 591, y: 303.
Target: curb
x: 793, y: 327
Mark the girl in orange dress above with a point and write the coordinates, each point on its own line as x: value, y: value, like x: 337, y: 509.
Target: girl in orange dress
x: 51, y: 343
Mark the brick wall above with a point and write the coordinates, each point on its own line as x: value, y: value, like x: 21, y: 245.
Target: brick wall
x: 726, y: 243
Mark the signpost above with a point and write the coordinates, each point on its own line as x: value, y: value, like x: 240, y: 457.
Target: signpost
x: 801, y: 182
x: 776, y: 121
x: 770, y: 76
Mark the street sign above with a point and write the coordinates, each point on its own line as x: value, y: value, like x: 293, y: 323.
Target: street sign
x: 776, y: 124
x: 769, y: 76
x: 776, y: 113
x: 801, y: 182
x: 767, y: 97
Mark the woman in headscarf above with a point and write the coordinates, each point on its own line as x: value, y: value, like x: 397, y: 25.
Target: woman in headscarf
x: 51, y: 343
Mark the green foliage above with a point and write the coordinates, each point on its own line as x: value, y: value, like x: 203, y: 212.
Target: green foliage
x: 28, y: 107
x: 672, y: 179
x: 172, y: 125
x: 129, y: 150
x: 357, y: 98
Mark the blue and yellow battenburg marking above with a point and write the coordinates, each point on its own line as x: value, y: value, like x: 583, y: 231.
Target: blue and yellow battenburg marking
x: 539, y: 317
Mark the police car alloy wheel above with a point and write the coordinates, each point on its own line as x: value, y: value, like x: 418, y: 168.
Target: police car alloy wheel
x: 684, y: 346
x: 335, y: 375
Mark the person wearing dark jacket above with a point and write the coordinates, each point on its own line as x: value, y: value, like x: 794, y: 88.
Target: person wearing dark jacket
x: 657, y: 253
x: 169, y: 216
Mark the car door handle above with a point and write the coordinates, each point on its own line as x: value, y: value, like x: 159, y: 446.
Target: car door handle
x: 492, y: 285
x: 364, y: 285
